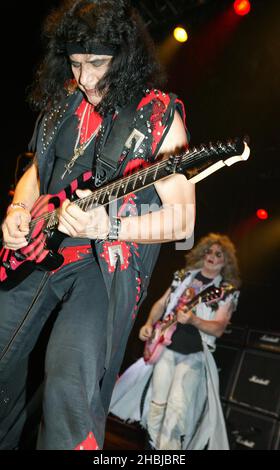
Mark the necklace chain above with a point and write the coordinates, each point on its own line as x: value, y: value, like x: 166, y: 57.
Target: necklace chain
x: 80, y: 150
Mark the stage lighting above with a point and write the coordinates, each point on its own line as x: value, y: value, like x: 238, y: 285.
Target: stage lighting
x: 242, y: 7
x: 180, y: 34
x: 262, y: 214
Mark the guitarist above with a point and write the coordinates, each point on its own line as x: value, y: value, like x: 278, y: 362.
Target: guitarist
x: 99, y: 63
x: 180, y: 383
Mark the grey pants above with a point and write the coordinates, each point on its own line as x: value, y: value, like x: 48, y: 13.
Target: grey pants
x: 75, y: 354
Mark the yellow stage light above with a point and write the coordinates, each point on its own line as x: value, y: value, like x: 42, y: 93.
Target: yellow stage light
x: 180, y: 34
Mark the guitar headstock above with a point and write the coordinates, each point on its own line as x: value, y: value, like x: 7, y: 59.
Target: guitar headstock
x: 214, y: 294
x: 236, y: 149
x: 201, y: 161
x: 211, y: 294
x: 227, y: 288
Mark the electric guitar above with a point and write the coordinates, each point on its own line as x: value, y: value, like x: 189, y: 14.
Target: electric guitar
x: 164, y: 329
x: 44, y: 239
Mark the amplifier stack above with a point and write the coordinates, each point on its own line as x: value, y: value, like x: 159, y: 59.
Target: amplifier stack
x: 248, y: 362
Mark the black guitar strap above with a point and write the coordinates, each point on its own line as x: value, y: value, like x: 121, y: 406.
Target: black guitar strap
x: 111, y: 144
x: 124, y: 136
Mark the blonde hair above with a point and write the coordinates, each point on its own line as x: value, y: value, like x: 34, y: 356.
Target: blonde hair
x: 230, y: 271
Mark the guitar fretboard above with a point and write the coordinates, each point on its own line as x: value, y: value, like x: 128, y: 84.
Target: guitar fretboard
x: 154, y: 172
x: 191, y: 162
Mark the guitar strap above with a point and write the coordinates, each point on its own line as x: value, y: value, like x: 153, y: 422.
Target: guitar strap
x: 124, y: 137
x: 112, y: 141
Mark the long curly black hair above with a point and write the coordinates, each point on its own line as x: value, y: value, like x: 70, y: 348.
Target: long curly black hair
x: 133, y: 68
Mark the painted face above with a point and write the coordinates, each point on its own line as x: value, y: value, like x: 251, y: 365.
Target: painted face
x: 214, y: 259
x: 88, y: 69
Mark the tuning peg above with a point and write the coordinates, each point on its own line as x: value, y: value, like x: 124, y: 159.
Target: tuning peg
x: 202, y: 148
x: 213, y: 147
x: 231, y: 143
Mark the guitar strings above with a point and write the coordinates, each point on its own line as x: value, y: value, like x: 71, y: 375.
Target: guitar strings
x: 191, y: 156
x: 98, y: 193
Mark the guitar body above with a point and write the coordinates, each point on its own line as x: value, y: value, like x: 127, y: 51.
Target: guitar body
x: 41, y: 249
x: 43, y: 239
x: 161, y: 337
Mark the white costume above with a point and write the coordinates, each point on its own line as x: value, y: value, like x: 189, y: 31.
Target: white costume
x: 193, y: 416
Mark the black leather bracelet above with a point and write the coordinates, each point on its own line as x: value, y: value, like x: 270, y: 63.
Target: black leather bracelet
x: 115, y: 229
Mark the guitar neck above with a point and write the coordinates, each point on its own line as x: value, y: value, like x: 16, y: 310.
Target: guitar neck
x: 195, y: 164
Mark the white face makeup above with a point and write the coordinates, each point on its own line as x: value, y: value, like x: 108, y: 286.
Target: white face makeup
x: 214, y: 260
x: 88, y: 69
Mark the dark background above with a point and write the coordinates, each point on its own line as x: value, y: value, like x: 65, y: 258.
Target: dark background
x: 227, y: 74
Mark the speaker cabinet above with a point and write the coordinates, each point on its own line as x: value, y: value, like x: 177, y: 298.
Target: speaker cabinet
x: 257, y: 382
x: 265, y: 340
x: 233, y: 336
x: 227, y: 359
x: 248, y: 430
x: 277, y: 440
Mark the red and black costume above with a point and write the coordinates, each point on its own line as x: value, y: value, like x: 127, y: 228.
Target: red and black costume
x: 97, y: 302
